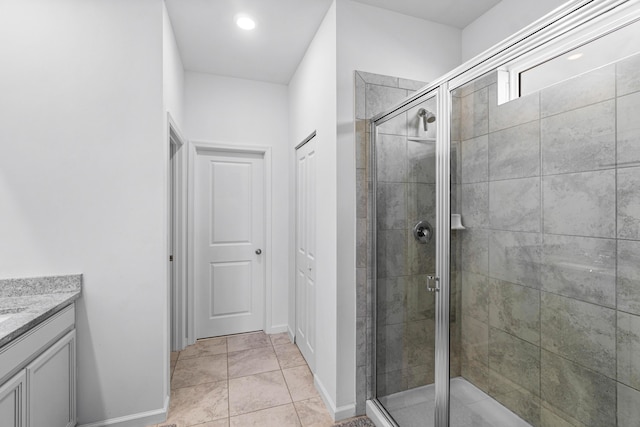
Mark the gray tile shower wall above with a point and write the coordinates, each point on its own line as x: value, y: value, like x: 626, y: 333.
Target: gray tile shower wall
x: 550, y: 260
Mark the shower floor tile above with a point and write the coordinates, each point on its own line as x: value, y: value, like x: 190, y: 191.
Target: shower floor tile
x: 470, y: 406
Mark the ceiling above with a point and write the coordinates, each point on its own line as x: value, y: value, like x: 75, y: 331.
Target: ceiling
x: 210, y: 42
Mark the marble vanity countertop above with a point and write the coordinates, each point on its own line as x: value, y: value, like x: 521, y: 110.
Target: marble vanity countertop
x: 26, y: 302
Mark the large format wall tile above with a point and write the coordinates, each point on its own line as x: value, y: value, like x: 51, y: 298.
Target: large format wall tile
x: 628, y: 130
x: 515, y: 112
x: 474, y: 114
x: 515, y: 309
x: 515, y: 257
x: 360, y: 99
x: 579, y: 140
x: 629, y: 349
x: 420, y: 342
x: 515, y: 152
x: 382, y: 98
x: 628, y: 406
x: 392, y: 253
x: 580, y: 204
x: 391, y: 300
x: 421, y: 203
x: 391, y: 204
x: 629, y: 203
x: 390, y: 348
x: 628, y: 287
x: 475, y: 163
x: 474, y: 204
x: 474, y: 251
x: 580, y: 267
x: 483, y: 81
x: 515, y: 359
x: 549, y: 417
x: 582, y: 332
x: 391, y: 158
x: 421, y: 162
x: 421, y: 258
x: 589, y: 88
x: 576, y: 391
x: 628, y: 78
x: 515, y: 204
x: 475, y: 295
x: 475, y: 340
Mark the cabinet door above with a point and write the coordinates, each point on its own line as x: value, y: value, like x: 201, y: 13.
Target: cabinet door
x: 51, y: 380
x: 12, y: 401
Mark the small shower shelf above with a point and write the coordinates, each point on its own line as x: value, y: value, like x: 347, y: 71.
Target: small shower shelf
x: 456, y: 222
x: 416, y: 139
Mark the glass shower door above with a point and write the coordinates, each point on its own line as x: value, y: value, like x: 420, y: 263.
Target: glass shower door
x: 406, y: 273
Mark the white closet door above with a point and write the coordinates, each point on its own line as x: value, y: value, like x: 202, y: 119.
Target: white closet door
x: 306, y: 251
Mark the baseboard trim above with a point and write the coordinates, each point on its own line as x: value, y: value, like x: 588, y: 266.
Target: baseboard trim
x: 292, y: 336
x: 135, y: 420
x: 337, y: 413
x: 277, y: 329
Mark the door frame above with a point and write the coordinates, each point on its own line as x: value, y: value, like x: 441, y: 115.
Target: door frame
x: 177, y: 233
x: 200, y: 146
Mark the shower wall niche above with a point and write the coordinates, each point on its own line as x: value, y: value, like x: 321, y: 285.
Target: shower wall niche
x: 548, y: 186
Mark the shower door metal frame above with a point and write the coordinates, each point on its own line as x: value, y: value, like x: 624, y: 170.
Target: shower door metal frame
x: 442, y: 234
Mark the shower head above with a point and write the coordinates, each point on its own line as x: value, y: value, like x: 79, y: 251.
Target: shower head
x: 427, y: 117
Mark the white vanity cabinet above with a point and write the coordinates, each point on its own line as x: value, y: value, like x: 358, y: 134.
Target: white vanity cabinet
x: 41, y: 366
x: 12, y: 401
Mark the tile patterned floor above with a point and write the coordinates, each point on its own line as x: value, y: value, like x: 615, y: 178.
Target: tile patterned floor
x: 241, y: 381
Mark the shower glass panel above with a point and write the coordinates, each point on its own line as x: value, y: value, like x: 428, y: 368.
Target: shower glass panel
x: 548, y: 265
x: 405, y: 194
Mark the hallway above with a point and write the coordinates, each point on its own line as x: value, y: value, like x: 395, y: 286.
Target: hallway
x: 245, y: 380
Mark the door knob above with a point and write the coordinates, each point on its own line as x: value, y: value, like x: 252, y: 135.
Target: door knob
x: 258, y: 251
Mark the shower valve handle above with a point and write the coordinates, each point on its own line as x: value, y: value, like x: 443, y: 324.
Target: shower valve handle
x: 430, y: 280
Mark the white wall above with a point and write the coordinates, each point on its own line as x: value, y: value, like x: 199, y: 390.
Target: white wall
x: 82, y: 183
x: 172, y: 72
x: 378, y: 41
x: 238, y: 111
x: 501, y: 21
x: 312, y: 106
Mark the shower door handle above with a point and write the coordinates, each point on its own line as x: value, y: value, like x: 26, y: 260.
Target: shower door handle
x: 433, y: 280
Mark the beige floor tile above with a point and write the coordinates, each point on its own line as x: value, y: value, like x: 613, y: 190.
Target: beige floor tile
x: 300, y: 383
x: 253, y: 361
x: 289, y: 355
x: 313, y: 413
x: 174, y: 355
x: 279, y: 339
x: 206, y: 347
x: 199, y: 370
x: 280, y: 416
x: 199, y: 404
x: 247, y: 341
x: 217, y: 423
x: 255, y: 392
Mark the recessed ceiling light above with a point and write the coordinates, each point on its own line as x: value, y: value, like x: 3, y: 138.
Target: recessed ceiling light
x: 245, y: 22
x: 575, y: 56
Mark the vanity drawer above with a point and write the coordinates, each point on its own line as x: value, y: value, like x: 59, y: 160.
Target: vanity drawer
x: 29, y: 345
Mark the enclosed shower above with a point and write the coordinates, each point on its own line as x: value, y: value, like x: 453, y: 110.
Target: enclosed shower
x: 500, y: 259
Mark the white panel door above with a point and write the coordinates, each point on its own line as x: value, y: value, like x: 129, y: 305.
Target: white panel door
x: 229, y: 237
x: 306, y: 251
